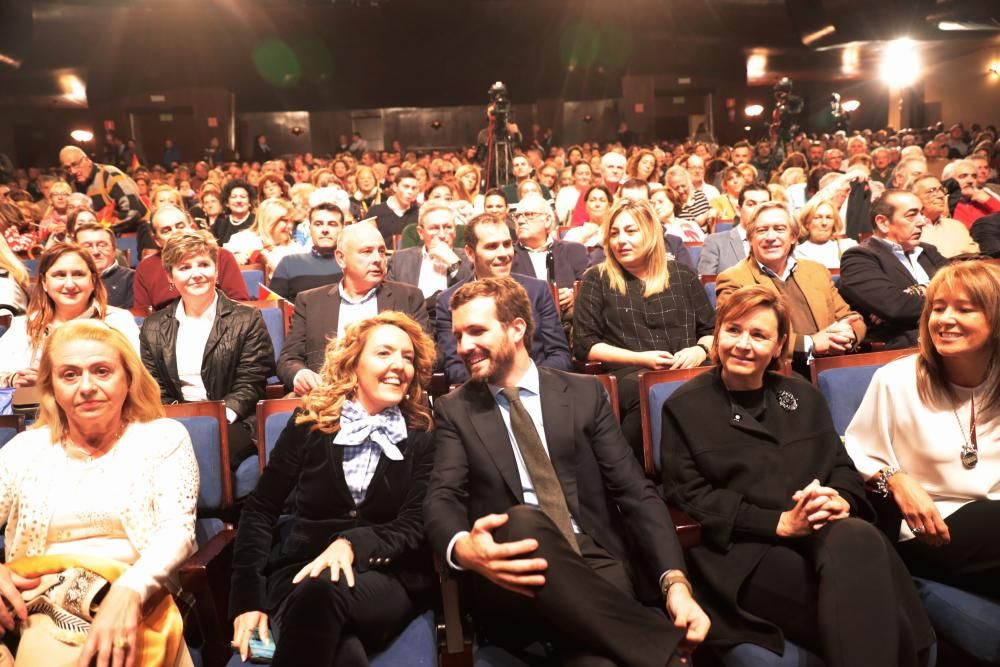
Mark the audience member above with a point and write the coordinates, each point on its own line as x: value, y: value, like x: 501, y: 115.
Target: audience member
x: 885, y: 277
x: 612, y: 170
x: 298, y: 272
x: 786, y: 545
x: 152, y: 286
x: 269, y: 240
x: 636, y: 190
x: 725, y: 249
x: 490, y: 249
x: 68, y: 288
x: 14, y: 282
x: 538, y: 253
x: 370, y: 402
x: 570, y: 209
x: 822, y: 233
x: 927, y: 430
x: 948, y: 235
x: 400, y: 209
x: 433, y: 266
x: 973, y: 201
x: 99, y: 501
x: 636, y: 277
x: 324, y: 313
x: 534, y: 492
x: 112, y: 193
x: 821, y: 322
x: 986, y: 233
x: 100, y: 242
x: 238, y: 195
x: 205, y: 347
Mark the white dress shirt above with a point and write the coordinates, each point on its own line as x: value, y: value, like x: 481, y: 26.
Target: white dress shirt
x: 355, y: 310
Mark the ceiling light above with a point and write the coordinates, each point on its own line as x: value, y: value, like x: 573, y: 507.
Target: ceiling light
x: 900, y: 63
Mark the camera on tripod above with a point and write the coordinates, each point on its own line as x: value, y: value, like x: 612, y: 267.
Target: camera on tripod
x: 499, y: 106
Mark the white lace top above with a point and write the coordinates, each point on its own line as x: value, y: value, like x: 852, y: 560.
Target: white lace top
x: 144, y: 491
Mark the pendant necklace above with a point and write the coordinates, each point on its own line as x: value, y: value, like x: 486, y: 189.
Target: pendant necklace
x: 970, y: 449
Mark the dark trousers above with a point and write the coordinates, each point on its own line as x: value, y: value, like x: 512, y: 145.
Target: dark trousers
x: 323, y: 623
x: 241, y: 443
x: 842, y: 593
x: 628, y: 406
x: 971, y: 561
x: 586, y: 608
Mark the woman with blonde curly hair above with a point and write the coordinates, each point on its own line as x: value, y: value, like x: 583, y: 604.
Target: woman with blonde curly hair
x: 270, y: 237
x: 356, y: 458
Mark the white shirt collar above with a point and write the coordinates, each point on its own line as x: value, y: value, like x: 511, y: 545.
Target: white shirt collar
x: 207, y: 316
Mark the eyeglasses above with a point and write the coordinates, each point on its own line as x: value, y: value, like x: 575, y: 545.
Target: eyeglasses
x: 940, y: 190
x: 526, y: 217
x: 75, y: 164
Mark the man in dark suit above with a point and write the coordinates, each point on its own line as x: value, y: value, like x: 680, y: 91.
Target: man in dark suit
x: 323, y: 313
x: 723, y: 250
x: 433, y: 266
x: 538, y: 254
x: 535, y: 491
x: 491, y: 250
x: 986, y: 232
x: 885, y: 277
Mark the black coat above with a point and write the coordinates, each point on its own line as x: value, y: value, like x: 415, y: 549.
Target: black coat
x: 385, y: 529
x: 569, y: 261
x: 736, y: 476
x: 873, y: 281
x: 986, y: 232
x: 238, y: 359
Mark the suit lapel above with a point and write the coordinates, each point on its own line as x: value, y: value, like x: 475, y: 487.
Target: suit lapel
x: 335, y: 455
x: 169, y: 327
x: 736, y: 243
x: 484, y: 413
x: 890, y: 259
x: 557, y: 417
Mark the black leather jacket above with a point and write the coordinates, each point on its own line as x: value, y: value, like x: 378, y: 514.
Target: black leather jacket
x: 238, y: 359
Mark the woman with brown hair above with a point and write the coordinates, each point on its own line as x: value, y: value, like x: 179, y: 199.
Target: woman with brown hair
x: 787, y: 551
x: 642, y: 165
x: 356, y: 458
x: 927, y: 433
x: 69, y: 288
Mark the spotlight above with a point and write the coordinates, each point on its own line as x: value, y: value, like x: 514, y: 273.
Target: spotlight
x: 994, y: 69
x: 753, y: 110
x: 82, y: 136
x: 851, y: 106
x: 756, y: 65
x: 900, y: 63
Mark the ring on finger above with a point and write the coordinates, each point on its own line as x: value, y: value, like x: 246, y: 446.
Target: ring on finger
x: 917, y: 530
x: 120, y: 644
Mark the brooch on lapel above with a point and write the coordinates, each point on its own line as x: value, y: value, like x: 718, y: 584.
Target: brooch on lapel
x: 787, y: 401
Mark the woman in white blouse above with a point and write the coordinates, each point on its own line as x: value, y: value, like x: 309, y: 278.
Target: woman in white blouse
x: 928, y: 433
x: 69, y: 287
x: 270, y: 237
x: 821, y: 224
x: 99, y: 500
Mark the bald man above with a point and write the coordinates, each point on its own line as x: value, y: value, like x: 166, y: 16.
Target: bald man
x: 113, y: 194
x: 325, y: 312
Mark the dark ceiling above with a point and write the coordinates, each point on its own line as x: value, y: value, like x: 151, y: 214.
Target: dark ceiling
x: 312, y: 54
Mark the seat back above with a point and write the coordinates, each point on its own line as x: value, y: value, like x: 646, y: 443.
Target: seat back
x: 10, y: 425
x: 129, y: 244
x: 655, y: 387
x: 694, y: 249
x: 844, y: 380
x: 253, y: 278
x: 206, y: 423
x: 274, y: 320
x: 272, y: 417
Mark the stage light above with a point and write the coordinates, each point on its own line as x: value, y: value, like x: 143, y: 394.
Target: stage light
x: 756, y: 65
x: 82, y: 136
x: 753, y: 110
x: 900, y: 63
x: 851, y: 105
x: 994, y: 69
